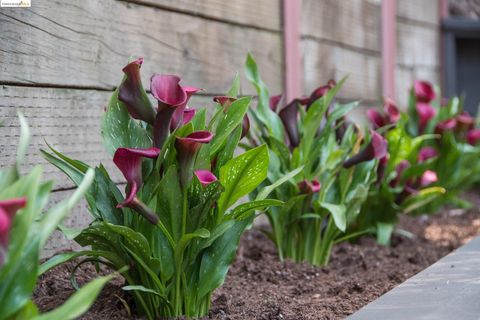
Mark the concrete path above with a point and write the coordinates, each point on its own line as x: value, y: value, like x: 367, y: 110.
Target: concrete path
x: 449, y: 289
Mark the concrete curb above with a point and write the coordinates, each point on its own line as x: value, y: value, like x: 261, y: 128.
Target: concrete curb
x: 448, y: 289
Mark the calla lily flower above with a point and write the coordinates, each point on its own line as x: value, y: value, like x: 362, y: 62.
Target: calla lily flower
x: 187, y: 149
x: 274, y: 101
x: 428, y: 177
x: 391, y: 110
x: 320, y: 92
x: 425, y: 113
x: 289, y: 117
x: 473, y: 136
x: 444, y: 126
x: 172, y: 98
x: 427, y: 153
x: 308, y: 187
x: 376, y: 149
x: 8, y: 209
x: 423, y: 91
x: 465, y: 122
x: 132, y: 94
x: 224, y: 101
x: 376, y: 118
x: 188, y: 115
x: 205, y: 177
x: 129, y: 161
x: 382, y: 165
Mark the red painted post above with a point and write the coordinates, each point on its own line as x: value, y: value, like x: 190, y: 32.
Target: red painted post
x: 291, y: 44
x: 443, y: 14
x: 389, y: 46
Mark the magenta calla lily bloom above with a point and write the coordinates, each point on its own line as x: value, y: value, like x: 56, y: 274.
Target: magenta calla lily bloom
x: 465, y: 122
x: 428, y: 177
x: 376, y: 118
x: 133, y: 95
x: 427, y: 153
x: 129, y: 161
x: 188, y: 115
x: 289, y: 117
x: 376, y: 149
x: 172, y: 99
x: 308, y: 187
x: 473, y: 137
x: 8, y: 209
x: 187, y: 149
x: 382, y: 165
x: 274, y: 101
x: 320, y: 92
x: 423, y: 91
x: 446, y: 125
x: 391, y: 110
x: 205, y: 177
x: 425, y: 113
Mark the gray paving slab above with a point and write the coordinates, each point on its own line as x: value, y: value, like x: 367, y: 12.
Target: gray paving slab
x: 447, y: 290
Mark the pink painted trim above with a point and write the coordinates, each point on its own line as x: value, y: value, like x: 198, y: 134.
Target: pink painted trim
x: 389, y: 46
x: 291, y: 43
x: 443, y: 9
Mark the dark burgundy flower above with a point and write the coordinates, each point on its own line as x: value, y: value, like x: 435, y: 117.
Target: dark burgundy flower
x: 187, y: 149
x: 423, y: 91
x: 8, y: 209
x: 188, y: 115
x: 224, y: 101
x: 399, y: 169
x: 133, y: 95
x: 427, y: 153
x: 465, y: 122
x: 308, y: 187
x: 473, y: 136
x: 245, y: 126
x: 172, y: 98
x: 391, y: 110
x: 289, y: 117
x: 205, y: 177
x: 428, y: 177
x: 376, y: 149
x: 444, y: 126
x: 129, y: 161
x: 274, y: 101
x: 320, y: 92
x: 425, y: 113
x: 376, y: 118
x: 382, y: 165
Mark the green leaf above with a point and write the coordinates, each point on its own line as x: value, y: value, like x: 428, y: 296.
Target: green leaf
x: 169, y: 202
x: 241, y: 175
x: 234, y: 90
x: 78, y: 303
x: 421, y: 198
x: 384, y: 232
x: 232, y: 119
x: 24, y: 140
x: 141, y: 289
x: 242, y: 211
x: 338, y: 212
x: 268, y: 117
x: 73, y: 173
x: 120, y: 130
x: 268, y: 189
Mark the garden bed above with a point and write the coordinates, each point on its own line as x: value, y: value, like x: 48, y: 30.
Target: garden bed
x: 260, y: 287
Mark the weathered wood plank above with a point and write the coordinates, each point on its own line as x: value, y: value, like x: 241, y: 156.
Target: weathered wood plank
x: 323, y: 61
x: 352, y: 23
x: 419, y: 10
x: 417, y: 45
x: 86, y: 43
x: 68, y: 119
x: 262, y: 14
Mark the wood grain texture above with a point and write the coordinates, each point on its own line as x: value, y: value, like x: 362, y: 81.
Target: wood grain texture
x: 354, y: 23
x: 68, y: 119
x: 426, y: 11
x: 417, y: 45
x: 263, y: 14
x: 86, y: 43
x: 323, y: 61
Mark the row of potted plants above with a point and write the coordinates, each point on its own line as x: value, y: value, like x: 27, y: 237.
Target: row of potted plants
x: 174, y: 232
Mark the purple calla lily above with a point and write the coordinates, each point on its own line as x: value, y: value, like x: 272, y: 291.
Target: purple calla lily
x: 391, y: 110
x: 428, y: 177
x: 425, y: 113
x: 423, y: 91
x: 274, y: 101
x: 187, y: 149
x: 444, y: 126
x: 205, y: 177
x: 129, y: 161
x: 132, y: 94
x: 224, y: 101
x: 308, y: 187
x: 172, y: 98
x: 465, y: 122
x: 376, y: 149
x: 427, y: 153
x: 8, y: 209
x: 473, y: 137
x: 376, y: 118
x: 382, y: 165
x: 320, y: 92
x: 188, y: 115
x: 289, y: 117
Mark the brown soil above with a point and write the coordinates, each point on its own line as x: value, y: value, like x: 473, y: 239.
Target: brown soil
x: 258, y: 286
